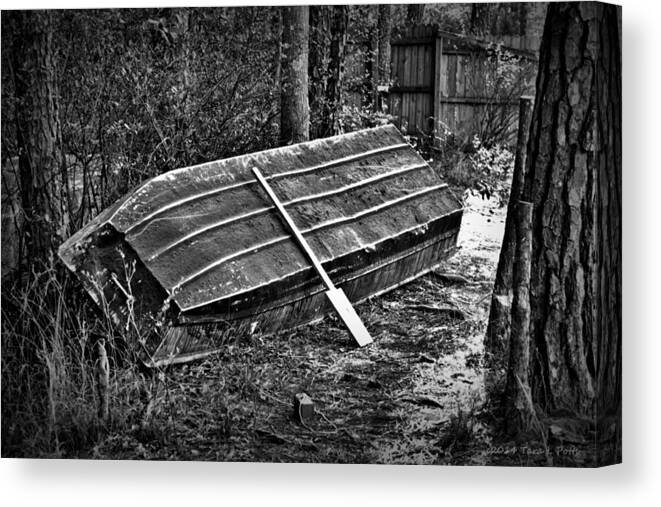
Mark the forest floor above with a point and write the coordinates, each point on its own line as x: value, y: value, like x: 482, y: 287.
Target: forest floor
x: 414, y: 396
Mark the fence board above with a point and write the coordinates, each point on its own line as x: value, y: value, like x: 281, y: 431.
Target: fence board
x: 461, y: 77
x: 440, y: 76
x: 452, y: 75
x: 437, y: 61
x: 420, y: 69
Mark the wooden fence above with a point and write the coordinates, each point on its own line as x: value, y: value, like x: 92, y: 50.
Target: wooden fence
x: 440, y: 83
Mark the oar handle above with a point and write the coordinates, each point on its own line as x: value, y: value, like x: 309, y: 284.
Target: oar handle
x: 295, y: 230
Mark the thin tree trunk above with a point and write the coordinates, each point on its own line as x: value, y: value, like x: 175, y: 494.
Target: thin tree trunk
x: 278, y: 51
x: 339, y: 24
x: 479, y: 18
x: 384, y: 29
x: 497, y: 335
x: 523, y: 18
x: 318, y: 68
x: 294, y: 105
x: 519, y: 407
x: 42, y: 171
x: 182, y: 23
x: 414, y: 14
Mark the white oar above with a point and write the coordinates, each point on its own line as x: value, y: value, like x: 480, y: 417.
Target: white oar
x: 336, y: 296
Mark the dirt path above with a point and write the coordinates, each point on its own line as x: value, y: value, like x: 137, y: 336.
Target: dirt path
x: 403, y: 399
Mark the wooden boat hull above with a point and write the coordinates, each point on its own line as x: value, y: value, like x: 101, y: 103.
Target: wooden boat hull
x: 200, y: 338
x: 374, y: 212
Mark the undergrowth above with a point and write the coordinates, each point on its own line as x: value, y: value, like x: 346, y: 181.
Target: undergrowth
x: 49, y: 404
x: 475, y: 166
x: 468, y: 164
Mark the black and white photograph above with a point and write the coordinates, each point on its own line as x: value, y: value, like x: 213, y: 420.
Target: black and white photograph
x: 376, y: 234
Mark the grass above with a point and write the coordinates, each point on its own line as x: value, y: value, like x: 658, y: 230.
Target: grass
x: 49, y: 401
x: 371, y: 404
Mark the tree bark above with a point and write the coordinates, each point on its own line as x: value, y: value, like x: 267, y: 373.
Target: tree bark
x: 339, y: 23
x: 182, y: 27
x: 318, y: 67
x: 43, y: 180
x: 384, y: 34
x: 414, y: 14
x: 294, y: 105
x: 519, y: 408
x: 523, y: 18
x: 574, y: 183
x: 497, y: 335
x: 479, y: 18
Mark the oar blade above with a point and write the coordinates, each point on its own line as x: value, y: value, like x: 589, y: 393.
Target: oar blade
x: 349, y: 317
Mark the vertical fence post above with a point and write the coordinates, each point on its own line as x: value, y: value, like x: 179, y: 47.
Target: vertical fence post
x: 498, y: 328
x: 519, y: 405
x: 437, y: 95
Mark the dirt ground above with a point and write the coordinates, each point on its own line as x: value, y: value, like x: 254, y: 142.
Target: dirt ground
x: 410, y: 397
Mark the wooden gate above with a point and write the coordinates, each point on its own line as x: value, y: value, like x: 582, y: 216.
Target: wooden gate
x: 440, y: 83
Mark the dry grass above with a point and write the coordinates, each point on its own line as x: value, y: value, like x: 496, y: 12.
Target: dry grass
x: 48, y: 386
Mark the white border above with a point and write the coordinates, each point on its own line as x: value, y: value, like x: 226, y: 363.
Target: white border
x: 33, y: 482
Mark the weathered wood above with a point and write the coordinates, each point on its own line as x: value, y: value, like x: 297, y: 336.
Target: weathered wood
x: 411, y: 89
x: 452, y: 73
x: 420, y: 65
x: 450, y: 277
x: 437, y: 109
x: 452, y: 311
x: 336, y: 296
x: 406, y: 107
x: 412, y: 42
x: 198, y: 339
x: 478, y: 101
x: 460, y: 78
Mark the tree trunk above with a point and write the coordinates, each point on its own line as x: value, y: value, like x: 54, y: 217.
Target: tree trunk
x: 519, y: 408
x: 182, y: 27
x: 294, y: 105
x: 277, y: 20
x: 574, y: 183
x: 339, y: 23
x: 523, y: 18
x: 318, y: 67
x: 43, y: 181
x: 384, y: 34
x: 479, y: 19
x: 414, y: 14
x: 497, y: 335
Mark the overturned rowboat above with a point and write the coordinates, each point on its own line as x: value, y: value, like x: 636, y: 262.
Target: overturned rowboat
x: 203, y: 248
